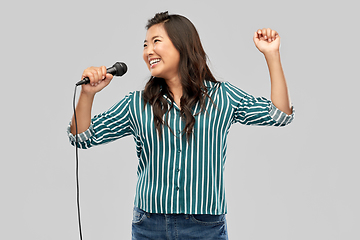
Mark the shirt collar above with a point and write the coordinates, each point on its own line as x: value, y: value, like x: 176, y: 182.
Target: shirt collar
x: 210, y: 85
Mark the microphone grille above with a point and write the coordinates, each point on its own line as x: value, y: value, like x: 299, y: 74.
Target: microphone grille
x: 121, y: 68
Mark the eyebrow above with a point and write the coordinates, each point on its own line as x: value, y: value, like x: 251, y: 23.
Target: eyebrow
x: 153, y: 38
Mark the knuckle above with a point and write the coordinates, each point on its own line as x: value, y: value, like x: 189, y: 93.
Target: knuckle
x: 90, y: 75
x: 103, y: 69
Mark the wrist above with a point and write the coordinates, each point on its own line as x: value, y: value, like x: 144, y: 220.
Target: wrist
x: 86, y: 94
x: 272, y: 54
x: 86, y: 97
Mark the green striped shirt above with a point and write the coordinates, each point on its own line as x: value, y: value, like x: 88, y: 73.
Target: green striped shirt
x: 176, y: 175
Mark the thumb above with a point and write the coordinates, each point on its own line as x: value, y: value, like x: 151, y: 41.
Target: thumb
x: 256, y: 38
x: 107, y: 79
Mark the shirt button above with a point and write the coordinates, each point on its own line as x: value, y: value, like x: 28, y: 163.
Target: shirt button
x: 178, y: 170
x: 179, y: 151
x: 177, y: 188
x: 179, y: 131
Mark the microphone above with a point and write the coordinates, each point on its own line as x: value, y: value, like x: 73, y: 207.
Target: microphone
x: 118, y: 69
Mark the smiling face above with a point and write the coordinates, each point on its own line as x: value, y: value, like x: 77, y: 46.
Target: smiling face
x: 160, y: 55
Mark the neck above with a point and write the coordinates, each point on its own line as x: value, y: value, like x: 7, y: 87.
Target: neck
x: 175, y: 87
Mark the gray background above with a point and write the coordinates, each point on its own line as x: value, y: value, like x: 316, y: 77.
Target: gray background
x: 298, y: 182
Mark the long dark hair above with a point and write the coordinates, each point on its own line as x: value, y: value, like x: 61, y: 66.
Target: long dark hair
x: 193, y: 70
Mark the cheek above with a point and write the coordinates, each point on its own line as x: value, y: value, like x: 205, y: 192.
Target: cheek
x: 161, y: 49
x: 176, y: 58
x: 173, y: 54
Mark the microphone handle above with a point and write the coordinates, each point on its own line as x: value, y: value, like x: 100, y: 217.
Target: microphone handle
x: 86, y: 80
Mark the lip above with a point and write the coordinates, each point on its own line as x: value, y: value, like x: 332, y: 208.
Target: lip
x: 153, y: 65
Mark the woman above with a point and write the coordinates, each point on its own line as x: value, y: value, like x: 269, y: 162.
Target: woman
x: 180, y: 124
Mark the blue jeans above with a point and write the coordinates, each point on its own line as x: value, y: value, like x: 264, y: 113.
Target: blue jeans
x: 177, y: 226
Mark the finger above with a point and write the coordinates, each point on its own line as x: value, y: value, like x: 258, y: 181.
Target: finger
x: 103, y: 71
x: 86, y: 73
x: 256, y: 36
x: 108, y: 77
x: 276, y: 35
x: 100, y: 74
x: 264, y: 30
x: 104, y: 82
x: 268, y: 32
x: 95, y: 76
x: 273, y: 32
x: 93, y: 72
x: 90, y: 75
x: 259, y: 34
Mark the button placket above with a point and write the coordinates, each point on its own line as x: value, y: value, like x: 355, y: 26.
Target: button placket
x: 178, y: 157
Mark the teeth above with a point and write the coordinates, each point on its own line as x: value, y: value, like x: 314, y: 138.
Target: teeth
x: 154, y: 61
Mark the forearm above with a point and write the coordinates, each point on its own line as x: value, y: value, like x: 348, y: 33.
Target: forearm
x: 279, y: 90
x: 83, y: 113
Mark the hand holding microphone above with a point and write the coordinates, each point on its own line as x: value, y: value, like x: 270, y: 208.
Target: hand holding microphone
x: 94, y: 79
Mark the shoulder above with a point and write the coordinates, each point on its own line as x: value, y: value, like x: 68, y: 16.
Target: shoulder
x: 211, y: 86
x: 219, y: 84
x: 234, y: 90
x: 134, y: 98
x: 225, y: 88
x: 134, y: 95
x: 128, y: 101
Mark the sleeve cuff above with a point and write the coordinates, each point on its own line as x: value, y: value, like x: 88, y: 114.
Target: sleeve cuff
x: 280, y: 117
x: 82, y: 137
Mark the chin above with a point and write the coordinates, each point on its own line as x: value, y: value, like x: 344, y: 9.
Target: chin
x: 155, y: 74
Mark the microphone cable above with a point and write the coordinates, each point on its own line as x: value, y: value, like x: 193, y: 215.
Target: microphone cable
x: 77, y: 166
x: 118, y: 69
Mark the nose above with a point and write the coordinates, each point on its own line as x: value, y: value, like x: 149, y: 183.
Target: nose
x: 149, y: 50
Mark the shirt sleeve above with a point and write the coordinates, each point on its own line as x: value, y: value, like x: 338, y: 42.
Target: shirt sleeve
x: 251, y: 110
x: 105, y: 127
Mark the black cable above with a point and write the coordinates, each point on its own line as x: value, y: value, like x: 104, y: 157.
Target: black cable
x: 77, y: 166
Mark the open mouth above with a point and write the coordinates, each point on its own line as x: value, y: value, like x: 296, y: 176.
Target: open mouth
x: 153, y: 62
